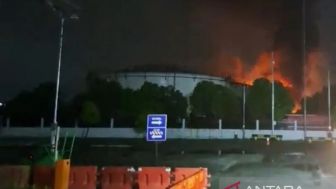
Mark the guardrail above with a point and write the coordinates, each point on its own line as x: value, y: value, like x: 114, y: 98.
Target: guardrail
x: 172, y: 133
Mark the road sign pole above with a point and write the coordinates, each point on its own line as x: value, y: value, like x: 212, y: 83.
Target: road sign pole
x: 156, y: 131
x: 156, y: 152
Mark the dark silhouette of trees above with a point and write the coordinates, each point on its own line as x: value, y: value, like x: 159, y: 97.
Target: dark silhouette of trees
x: 104, y: 99
x: 212, y: 102
x: 90, y: 114
x: 259, y: 102
x: 29, y: 106
x: 151, y: 98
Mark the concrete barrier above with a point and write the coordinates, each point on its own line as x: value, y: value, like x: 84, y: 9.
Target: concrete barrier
x: 172, y: 133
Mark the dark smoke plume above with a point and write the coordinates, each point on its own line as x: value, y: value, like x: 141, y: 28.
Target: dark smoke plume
x: 288, y: 39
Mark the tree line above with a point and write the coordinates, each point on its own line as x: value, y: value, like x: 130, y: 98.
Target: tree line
x: 103, y: 100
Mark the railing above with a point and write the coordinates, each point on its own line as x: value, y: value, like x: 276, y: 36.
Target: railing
x: 172, y: 133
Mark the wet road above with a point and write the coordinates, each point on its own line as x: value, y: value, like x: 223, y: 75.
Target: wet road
x: 253, y: 163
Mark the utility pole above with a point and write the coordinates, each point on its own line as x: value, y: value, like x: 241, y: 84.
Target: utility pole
x: 55, y: 130
x: 55, y: 127
x: 329, y: 103
x: 304, y: 68
x: 272, y: 65
x: 244, y: 105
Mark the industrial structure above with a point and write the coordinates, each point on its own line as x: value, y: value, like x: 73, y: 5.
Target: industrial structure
x: 183, y: 82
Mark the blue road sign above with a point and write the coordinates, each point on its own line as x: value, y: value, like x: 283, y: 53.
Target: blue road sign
x: 156, y: 127
x: 156, y: 134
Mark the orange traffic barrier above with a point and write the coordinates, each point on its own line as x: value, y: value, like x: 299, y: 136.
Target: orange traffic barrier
x: 62, y: 170
x: 153, y: 177
x: 182, y: 173
x: 198, y: 180
x: 43, y: 177
x: 116, y: 178
x: 83, y: 177
x: 204, y: 178
x: 233, y: 186
x: 14, y: 176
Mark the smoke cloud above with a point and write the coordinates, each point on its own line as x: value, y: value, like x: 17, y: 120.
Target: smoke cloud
x: 243, y: 40
x: 288, y: 41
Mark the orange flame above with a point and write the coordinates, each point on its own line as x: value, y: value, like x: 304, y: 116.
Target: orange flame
x: 262, y: 69
x: 315, y: 70
x: 297, y: 107
x: 235, y: 68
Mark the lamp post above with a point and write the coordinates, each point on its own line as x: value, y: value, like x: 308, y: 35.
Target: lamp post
x: 304, y: 69
x: 55, y: 128
x: 244, y: 104
x: 329, y: 103
x: 272, y: 65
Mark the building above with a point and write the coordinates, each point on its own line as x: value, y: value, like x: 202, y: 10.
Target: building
x: 313, y: 122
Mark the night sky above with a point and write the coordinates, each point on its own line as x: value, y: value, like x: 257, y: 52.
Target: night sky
x: 118, y: 34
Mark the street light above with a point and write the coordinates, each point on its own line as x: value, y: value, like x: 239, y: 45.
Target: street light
x: 72, y: 17
x: 272, y: 65
x: 244, y: 104
x: 329, y: 103
x: 55, y: 129
x: 304, y: 68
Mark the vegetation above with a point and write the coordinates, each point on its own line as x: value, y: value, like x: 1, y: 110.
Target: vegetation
x: 216, y: 101
x: 150, y: 99
x: 259, y: 103
x: 90, y: 114
x: 103, y: 100
x: 29, y: 106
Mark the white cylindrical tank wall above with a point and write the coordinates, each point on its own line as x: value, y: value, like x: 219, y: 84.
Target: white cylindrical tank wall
x: 184, y: 82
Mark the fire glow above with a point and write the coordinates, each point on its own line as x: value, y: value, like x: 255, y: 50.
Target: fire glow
x: 262, y: 70
x: 315, y: 70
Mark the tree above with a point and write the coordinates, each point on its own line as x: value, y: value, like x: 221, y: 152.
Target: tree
x: 201, y: 97
x: 259, y: 103
x: 90, y: 114
x: 151, y: 98
x: 29, y: 106
x: 71, y: 110
x: 129, y: 103
x: 258, y: 100
x: 105, y: 94
x: 283, y: 102
x: 175, y: 105
x: 216, y: 101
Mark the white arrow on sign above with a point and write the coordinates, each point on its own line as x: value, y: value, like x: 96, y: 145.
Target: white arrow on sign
x: 156, y: 118
x: 156, y: 122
